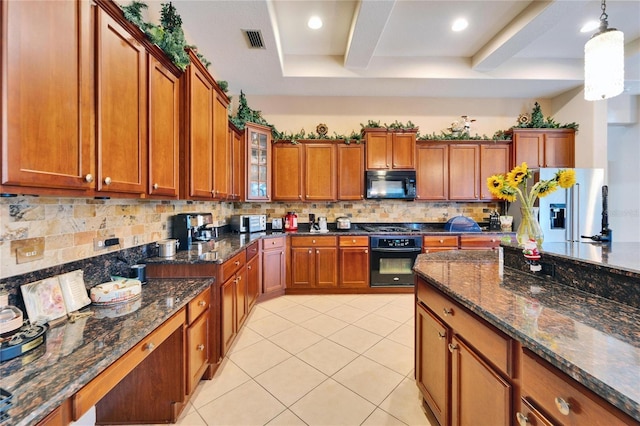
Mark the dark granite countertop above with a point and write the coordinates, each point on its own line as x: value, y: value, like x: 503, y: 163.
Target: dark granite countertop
x: 75, y: 353
x: 592, y: 339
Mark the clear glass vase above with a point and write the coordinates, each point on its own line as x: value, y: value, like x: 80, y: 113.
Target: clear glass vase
x: 529, y: 228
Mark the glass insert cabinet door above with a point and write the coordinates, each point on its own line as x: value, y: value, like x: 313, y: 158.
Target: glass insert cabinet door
x: 258, y: 140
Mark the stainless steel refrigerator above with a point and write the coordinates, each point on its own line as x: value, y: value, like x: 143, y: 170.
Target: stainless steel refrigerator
x: 568, y: 214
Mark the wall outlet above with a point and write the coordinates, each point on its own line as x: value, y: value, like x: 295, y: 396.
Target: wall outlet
x: 28, y: 250
x: 101, y: 243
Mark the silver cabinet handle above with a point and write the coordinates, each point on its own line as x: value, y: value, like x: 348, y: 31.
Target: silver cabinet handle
x: 441, y: 241
x: 313, y: 241
x: 452, y: 347
x: 310, y: 251
x: 522, y: 419
x: 200, y: 347
x: 237, y: 263
x: 88, y: 178
x: 366, y: 251
x: 156, y: 186
x: 442, y: 335
x: 249, y: 267
x: 149, y: 346
x: 447, y: 311
x: 353, y: 241
x: 563, y: 406
x: 202, y: 303
x: 317, y: 251
x: 107, y: 180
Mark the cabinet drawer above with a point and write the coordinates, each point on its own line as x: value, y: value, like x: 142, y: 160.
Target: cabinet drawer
x: 97, y: 388
x: 273, y: 243
x: 197, y: 350
x: 325, y: 241
x: 479, y: 241
x: 232, y: 265
x: 440, y: 241
x: 491, y: 343
x: 547, y: 387
x: 252, y: 250
x: 346, y: 241
x: 198, y: 305
x: 528, y: 415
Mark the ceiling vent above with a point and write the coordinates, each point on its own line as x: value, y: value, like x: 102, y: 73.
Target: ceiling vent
x: 254, y: 37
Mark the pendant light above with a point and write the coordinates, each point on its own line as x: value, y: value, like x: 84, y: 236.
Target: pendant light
x: 604, y: 61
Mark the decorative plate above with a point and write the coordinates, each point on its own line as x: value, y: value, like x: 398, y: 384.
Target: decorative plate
x: 322, y: 129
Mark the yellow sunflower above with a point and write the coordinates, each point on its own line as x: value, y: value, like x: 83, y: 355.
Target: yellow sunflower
x: 566, y: 178
x: 547, y: 187
x: 495, y: 184
x: 518, y: 175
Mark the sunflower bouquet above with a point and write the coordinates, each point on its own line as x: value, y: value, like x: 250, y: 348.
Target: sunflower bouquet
x: 513, y: 185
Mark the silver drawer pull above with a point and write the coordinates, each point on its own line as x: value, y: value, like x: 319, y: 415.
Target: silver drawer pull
x: 563, y: 406
x: 442, y: 335
x: 88, y: 178
x: 452, y: 347
x: 522, y: 419
x: 149, y: 346
x: 447, y: 311
x: 200, y: 347
x: 202, y: 303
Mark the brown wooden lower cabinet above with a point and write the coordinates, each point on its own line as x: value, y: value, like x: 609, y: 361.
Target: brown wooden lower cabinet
x: 463, y: 365
x: 254, y: 275
x: 314, y: 261
x: 273, y: 266
x: 353, y: 262
x: 233, y: 298
x: 197, y: 352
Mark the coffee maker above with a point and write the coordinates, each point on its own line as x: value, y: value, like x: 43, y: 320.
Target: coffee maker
x: 190, y: 228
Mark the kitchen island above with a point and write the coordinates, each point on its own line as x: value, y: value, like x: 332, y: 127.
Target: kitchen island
x: 590, y: 340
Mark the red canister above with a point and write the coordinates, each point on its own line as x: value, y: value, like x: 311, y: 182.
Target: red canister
x: 291, y: 222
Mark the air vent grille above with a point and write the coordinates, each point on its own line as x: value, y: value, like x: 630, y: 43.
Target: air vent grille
x: 254, y: 37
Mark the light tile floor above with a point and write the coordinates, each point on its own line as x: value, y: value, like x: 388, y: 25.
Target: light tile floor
x: 316, y: 360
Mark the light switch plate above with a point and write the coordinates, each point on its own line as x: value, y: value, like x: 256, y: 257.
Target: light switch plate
x: 28, y: 250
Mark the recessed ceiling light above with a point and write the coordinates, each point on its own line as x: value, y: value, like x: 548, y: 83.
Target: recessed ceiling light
x: 590, y: 26
x: 459, y: 24
x: 315, y: 23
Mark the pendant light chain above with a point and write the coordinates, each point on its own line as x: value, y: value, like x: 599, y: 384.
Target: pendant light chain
x: 604, y: 15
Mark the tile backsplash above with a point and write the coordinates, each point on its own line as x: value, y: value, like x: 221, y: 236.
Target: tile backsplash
x: 69, y: 225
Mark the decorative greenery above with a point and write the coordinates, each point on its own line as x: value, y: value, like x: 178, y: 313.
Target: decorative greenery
x: 537, y: 121
x: 396, y: 125
x: 224, y: 85
x: 459, y: 136
x: 168, y: 36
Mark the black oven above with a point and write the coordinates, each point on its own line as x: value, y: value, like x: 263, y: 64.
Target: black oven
x: 392, y: 258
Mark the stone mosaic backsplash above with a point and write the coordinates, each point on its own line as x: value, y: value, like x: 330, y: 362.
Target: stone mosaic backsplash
x: 69, y: 225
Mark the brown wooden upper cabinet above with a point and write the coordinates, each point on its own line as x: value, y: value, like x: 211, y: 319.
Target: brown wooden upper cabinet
x: 206, y: 142
x: 121, y: 109
x: 236, y: 140
x: 258, y: 162
x: 458, y: 170
x: 304, y: 171
x: 544, y: 147
x: 48, y: 71
x: 164, y: 130
x: 350, y: 171
x: 390, y: 150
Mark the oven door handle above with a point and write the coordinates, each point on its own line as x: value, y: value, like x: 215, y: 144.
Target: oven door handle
x: 397, y: 250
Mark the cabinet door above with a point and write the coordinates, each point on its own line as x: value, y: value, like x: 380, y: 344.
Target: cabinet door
x: 432, y: 362
x: 559, y: 149
x: 273, y: 271
x: 403, y: 151
x: 326, y: 266
x: 164, y: 130
x: 528, y: 147
x: 320, y: 180
x: 287, y: 172
x: 303, y: 267
x: 221, y: 149
x: 253, y: 281
x: 494, y: 159
x: 469, y: 374
x: 241, y: 298
x: 432, y: 172
x: 354, y: 267
x: 463, y: 172
x: 350, y: 172
x: 237, y: 164
x: 47, y: 73
x: 197, y: 350
x: 200, y: 134
x: 228, y: 313
x: 258, y: 172
x: 121, y: 114
x: 378, y: 149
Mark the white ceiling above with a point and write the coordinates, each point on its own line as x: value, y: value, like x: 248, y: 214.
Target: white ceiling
x: 517, y: 49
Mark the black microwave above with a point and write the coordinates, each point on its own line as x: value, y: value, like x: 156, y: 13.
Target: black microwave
x: 394, y: 185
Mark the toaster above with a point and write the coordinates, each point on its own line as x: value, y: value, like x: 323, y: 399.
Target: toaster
x: 249, y: 223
